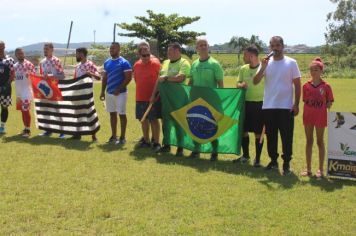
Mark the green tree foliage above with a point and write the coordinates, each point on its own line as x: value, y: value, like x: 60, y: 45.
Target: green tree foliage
x: 342, y: 26
x: 240, y: 43
x: 163, y: 28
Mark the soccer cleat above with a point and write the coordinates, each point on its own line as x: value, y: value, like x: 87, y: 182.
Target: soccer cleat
x: 156, y: 147
x: 121, y: 141
x: 112, y: 140
x: 45, y: 134
x: 214, y: 157
x: 144, y: 144
x: 61, y: 136
x: 194, y: 155
x: 179, y: 152
x: 25, y: 133
x: 2, y: 130
x: 273, y: 165
x: 242, y: 159
x: 164, y: 149
x: 256, y: 164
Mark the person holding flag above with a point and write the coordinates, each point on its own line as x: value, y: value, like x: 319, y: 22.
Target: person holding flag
x: 23, y: 68
x: 175, y: 69
x: 206, y: 72
x: 6, y: 77
x: 85, y: 68
x: 50, y: 66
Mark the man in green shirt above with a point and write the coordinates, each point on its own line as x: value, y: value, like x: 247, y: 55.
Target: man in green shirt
x: 176, y: 69
x: 253, y: 104
x: 206, y: 72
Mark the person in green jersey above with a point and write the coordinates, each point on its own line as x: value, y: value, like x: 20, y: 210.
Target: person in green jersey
x: 253, y: 104
x: 206, y: 72
x: 175, y: 69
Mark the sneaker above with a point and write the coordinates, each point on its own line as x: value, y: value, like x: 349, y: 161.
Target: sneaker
x: 25, y: 133
x: 214, y: 157
x: 286, y: 168
x: 121, y: 141
x: 179, y: 152
x: 61, y: 136
x: 2, y: 130
x: 45, y: 134
x: 141, y: 140
x: 112, y: 140
x: 242, y: 159
x: 273, y: 165
x: 194, y: 155
x: 256, y: 164
x: 156, y: 147
x: 165, y: 148
x: 144, y: 144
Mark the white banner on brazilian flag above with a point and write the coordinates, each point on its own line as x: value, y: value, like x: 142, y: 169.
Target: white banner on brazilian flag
x: 342, y: 144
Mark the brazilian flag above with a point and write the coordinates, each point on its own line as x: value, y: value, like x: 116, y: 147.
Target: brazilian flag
x: 202, y: 119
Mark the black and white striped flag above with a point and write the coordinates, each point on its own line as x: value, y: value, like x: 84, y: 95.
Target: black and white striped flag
x: 76, y: 114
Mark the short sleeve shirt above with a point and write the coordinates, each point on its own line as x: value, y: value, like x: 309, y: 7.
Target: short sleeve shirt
x: 115, y: 70
x: 51, y: 66
x: 206, y: 73
x: 6, y: 68
x: 180, y: 67
x: 254, y: 92
x: 279, y: 77
x: 83, y: 68
x: 145, y: 76
x: 315, y: 103
x: 23, y: 84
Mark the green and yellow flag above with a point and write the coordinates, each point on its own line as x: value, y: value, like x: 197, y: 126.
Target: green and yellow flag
x: 202, y: 119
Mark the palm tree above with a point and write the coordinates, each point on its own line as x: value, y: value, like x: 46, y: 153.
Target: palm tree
x: 238, y: 43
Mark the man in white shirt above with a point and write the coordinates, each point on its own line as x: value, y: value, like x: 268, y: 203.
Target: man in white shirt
x: 281, y: 75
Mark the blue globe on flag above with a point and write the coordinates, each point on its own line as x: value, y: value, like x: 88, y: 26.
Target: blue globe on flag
x: 201, y: 122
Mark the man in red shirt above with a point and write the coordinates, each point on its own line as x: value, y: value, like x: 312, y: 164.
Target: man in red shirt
x: 146, y: 73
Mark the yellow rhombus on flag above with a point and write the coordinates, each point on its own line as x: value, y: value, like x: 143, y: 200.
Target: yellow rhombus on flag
x: 202, y: 122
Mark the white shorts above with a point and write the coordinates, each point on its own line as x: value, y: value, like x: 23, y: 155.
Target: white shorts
x: 116, y: 103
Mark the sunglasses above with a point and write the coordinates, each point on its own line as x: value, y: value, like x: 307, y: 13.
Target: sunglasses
x: 145, y: 55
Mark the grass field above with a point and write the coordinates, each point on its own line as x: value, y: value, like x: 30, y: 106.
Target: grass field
x: 50, y: 186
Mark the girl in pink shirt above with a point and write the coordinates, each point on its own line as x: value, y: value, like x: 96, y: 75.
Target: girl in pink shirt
x: 317, y: 97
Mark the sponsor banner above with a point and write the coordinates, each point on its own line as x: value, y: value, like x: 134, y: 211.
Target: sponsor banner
x: 342, y: 144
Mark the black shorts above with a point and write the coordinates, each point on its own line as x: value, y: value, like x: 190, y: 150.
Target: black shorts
x: 5, y: 95
x: 155, y: 112
x: 253, y: 117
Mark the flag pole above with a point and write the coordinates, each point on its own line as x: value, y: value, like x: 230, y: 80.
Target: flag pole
x: 70, y: 32
x: 114, y: 32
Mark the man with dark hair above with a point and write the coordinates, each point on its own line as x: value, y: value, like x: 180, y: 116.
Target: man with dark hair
x: 7, y: 75
x: 253, y: 104
x: 146, y: 72
x: 50, y: 66
x: 23, y: 68
x: 88, y: 68
x: 281, y: 74
x: 117, y: 75
x: 175, y: 69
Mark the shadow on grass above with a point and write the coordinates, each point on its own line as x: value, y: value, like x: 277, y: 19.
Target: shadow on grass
x: 330, y: 184
x: 37, y: 140
x: 109, y: 147
x: 268, y: 178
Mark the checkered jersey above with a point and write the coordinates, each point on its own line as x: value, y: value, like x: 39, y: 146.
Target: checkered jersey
x: 6, y: 68
x: 23, y: 84
x: 83, y: 68
x: 51, y: 66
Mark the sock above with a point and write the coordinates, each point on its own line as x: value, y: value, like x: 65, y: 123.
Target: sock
x: 245, y: 144
x: 26, y: 118
x: 4, y: 115
x: 258, y: 147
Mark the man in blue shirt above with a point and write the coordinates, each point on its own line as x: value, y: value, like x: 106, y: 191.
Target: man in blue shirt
x: 117, y: 75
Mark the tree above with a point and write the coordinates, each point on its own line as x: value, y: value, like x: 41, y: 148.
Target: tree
x: 164, y: 29
x: 342, y: 26
x: 238, y: 43
x: 258, y: 42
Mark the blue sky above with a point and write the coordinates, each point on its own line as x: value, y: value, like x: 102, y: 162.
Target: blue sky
x: 24, y: 22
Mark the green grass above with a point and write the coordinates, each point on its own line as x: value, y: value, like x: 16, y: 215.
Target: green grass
x: 50, y: 186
